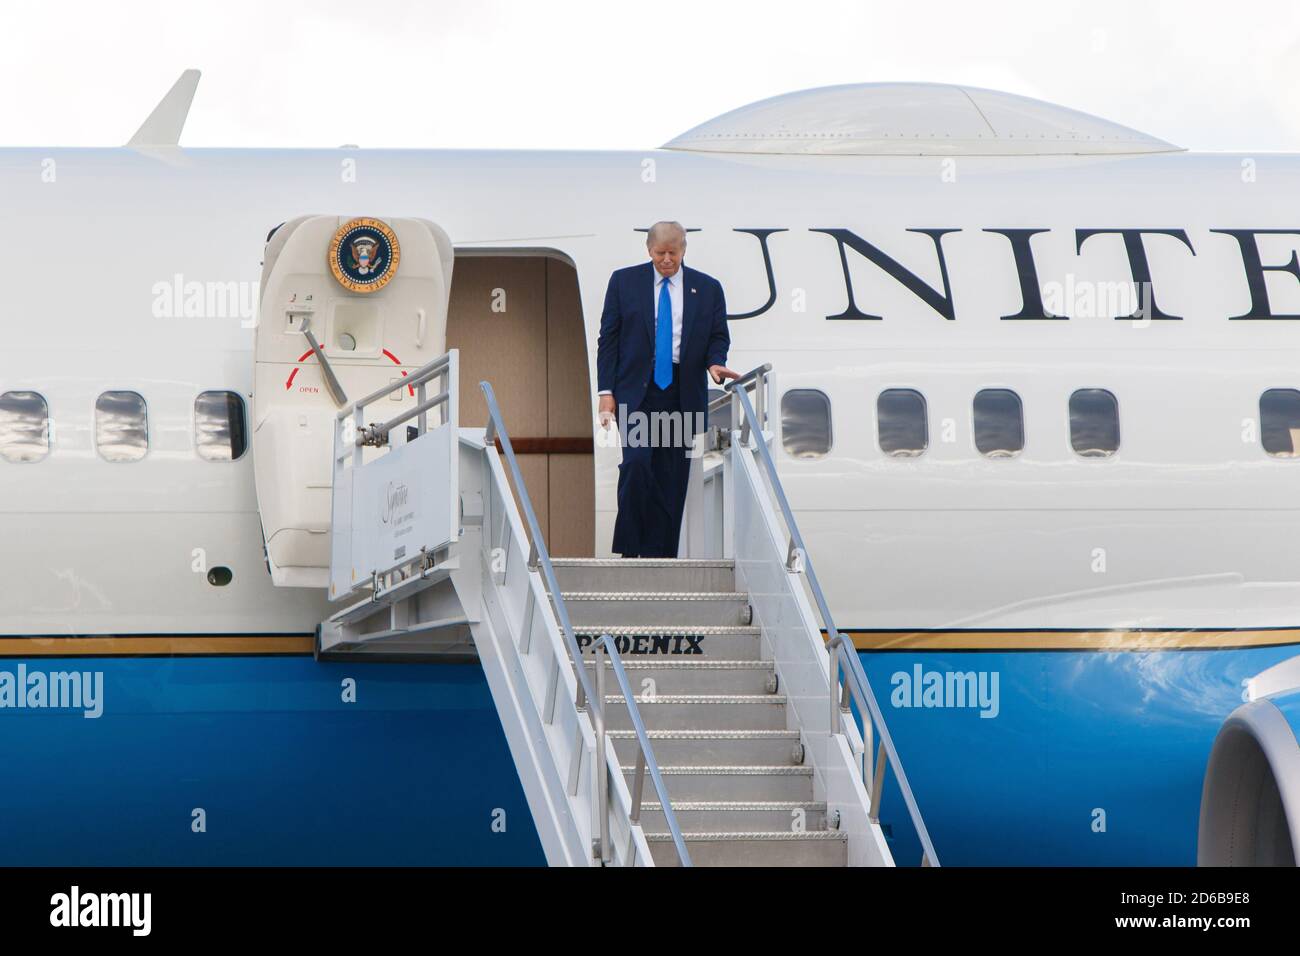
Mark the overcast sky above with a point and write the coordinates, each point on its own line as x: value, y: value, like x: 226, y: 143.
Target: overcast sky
x: 612, y: 74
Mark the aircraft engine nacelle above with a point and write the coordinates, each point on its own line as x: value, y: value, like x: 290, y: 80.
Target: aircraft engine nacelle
x: 372, y: 294
x: 1250, y: 802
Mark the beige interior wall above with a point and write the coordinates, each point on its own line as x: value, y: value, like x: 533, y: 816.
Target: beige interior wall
x: 532, y: 348
x: 573, y: 506
x: 572, y: 477
x: 568, y: 401
x: 507, y: 347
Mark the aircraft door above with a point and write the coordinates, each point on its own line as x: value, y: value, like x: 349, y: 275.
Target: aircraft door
x: 348, y: 305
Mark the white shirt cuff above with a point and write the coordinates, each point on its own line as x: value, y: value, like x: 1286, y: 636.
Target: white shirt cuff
x: 605, y: 392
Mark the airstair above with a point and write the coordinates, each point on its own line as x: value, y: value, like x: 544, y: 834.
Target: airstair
x: 711, y: 721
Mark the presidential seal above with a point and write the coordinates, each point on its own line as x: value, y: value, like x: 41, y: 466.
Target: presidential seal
x: 364, y: 255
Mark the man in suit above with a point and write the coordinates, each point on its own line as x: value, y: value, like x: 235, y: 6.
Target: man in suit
x: 664, y: 327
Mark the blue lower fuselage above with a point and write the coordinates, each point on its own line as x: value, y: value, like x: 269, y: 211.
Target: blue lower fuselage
x: 1094, y: 758
x: 1090, y: 758
x: 284, y: 770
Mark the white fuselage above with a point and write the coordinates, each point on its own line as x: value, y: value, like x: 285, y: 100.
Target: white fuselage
x: 1189, y: 524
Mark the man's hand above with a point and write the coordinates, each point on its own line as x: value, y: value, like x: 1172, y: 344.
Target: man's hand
x: 605, y: 410
x: 719, y: 372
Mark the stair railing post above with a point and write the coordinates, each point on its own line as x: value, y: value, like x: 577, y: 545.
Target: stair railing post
x: 835, y: 681
x: 878, y: 783
x: 638, y: 785
x: 421, y: 420
x: 602, y: 768
x: 735, y: 412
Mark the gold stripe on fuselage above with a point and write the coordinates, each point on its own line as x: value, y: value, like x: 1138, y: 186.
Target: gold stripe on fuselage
x: 158, y: 645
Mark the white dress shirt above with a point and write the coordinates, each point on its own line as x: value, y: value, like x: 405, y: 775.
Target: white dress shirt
x: 675, y: 297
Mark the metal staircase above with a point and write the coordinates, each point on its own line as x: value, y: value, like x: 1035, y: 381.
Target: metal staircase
x: 720, y: 727
x: 727, y: 735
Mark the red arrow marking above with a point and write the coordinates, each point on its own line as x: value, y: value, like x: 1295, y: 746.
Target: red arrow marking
x: 301, y: 358
x: 307, y: 354
x: 397, y: 361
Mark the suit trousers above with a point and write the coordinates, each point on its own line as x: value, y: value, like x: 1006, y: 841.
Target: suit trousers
x: 653, y: 476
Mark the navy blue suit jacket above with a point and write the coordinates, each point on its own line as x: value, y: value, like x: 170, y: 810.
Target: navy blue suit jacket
x: 625, y: 353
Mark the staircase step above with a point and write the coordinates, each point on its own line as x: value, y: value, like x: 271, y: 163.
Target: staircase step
x: 780, y: 848
x: 734, y: 748
x: 736, y: 816
x: 644, y: 574
x: 723, y: 642
x: 688, y: 711
x: 663, y: 609
x: 729, y: 783
x: 684, y: 675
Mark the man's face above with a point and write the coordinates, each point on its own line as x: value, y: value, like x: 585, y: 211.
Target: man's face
x: 667, y: 254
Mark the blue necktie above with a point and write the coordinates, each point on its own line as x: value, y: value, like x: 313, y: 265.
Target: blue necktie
x: 664, y: 339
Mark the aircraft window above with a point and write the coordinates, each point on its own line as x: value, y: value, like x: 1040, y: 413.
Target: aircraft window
x: 805, y: 423
x: 121, y: 426
x: 24, y: 426
x: 219, y: 426
x: 1094, y: 423
x: 901, y: 422
x: 1279, y: 422
x: 999, y: 423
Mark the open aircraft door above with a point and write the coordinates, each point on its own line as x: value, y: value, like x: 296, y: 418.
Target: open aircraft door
x: 348, y: 305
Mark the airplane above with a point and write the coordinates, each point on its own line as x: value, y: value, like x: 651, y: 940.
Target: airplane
x: 1038, y: 417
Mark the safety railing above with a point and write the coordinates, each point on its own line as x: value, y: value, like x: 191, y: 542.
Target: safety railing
x: 358, y: 434
x: 752, y: 417
x: 539, y: 559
